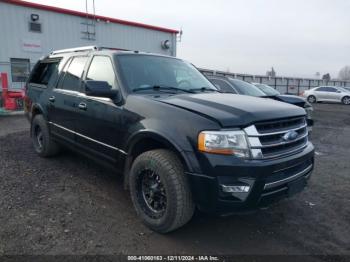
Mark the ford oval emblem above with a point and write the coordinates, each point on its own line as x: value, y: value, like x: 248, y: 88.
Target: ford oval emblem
x: 290, y: 135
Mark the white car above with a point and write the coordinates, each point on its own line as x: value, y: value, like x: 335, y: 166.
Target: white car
x: 328, y: 94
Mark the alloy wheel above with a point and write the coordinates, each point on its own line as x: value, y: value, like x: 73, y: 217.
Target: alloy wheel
x: 152, y: 194
x: 311, y: 99
x: 346, y: 100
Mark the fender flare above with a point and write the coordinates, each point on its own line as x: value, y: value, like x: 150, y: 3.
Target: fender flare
x: 157, y: 136
x: 38, y: 107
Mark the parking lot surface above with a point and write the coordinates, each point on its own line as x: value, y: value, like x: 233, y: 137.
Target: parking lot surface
x: 70, y: 205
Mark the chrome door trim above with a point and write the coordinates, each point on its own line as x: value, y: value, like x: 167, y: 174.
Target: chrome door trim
x: 89, y: 138
x: 78, y: 94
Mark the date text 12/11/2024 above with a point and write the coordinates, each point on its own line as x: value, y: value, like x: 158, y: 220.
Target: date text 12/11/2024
x: 173, y: 258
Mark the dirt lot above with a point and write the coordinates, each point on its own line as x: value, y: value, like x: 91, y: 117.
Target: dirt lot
x: 69, y: 205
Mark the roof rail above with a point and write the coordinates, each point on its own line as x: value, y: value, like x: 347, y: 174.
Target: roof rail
x: 76, y: 49
x: 87, y: 48
x: 112, y: 48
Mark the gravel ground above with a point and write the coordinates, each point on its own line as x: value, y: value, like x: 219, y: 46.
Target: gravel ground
x: 69, y: 205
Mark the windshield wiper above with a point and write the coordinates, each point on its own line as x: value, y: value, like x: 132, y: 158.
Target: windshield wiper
x: 161, y: 87
x: 204, y: 89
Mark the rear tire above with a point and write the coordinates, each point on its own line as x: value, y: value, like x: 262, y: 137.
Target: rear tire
x: 311, y: 99
x: 346, y: 100
x: 160, y: 191
x: 43, y: 144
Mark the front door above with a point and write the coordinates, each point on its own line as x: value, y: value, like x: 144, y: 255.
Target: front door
x: 100, y: 119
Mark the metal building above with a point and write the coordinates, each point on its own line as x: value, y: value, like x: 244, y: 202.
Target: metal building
x: 29, y: 31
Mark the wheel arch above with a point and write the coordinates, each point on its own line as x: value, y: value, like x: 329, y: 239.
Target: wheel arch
x: 149, y: 140
x: 345, y: 96
x: 35, y: 110
x: 309, y: 95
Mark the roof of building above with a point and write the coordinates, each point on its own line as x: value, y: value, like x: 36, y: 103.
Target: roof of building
x: 82, y: 14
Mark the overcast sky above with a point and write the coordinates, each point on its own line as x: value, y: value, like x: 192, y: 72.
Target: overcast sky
x: 297, y: 37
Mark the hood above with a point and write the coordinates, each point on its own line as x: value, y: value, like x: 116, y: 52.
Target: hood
x: 231, y: 110
x: 291, y: 99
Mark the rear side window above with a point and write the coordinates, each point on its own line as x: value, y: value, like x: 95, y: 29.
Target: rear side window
x: 45, y: 73
x: 101, y: 69
x: 72, y: 75
x: 322, y: 89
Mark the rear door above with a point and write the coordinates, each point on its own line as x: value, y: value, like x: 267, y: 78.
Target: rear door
x: 321, y: 93
x: 39, y: 88
x: 63, y: 100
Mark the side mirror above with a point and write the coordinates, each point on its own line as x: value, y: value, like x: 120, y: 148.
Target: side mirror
x: 338, y: 91
x: 100, y: 89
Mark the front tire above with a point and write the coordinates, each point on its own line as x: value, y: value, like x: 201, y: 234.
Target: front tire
x: 311, y: 99
x: 160, y: 191
x: 346, y: 100
x: 43, y: 144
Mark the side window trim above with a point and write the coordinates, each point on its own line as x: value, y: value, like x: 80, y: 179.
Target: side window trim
x: 116, y: 82
x: 45, y: 61
x: 64, y: 71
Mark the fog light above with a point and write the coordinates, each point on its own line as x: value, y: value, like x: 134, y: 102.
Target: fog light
x: 235, y: 189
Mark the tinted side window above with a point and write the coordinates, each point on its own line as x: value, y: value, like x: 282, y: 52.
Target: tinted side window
x: 322, y: 89
x: 45, y: 73
x: 223, y: 86
x: 72, y: 77
x: 331, y: 89
x: 101, y: 69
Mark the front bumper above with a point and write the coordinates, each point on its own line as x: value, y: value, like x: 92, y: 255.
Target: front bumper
x: 268, y: 180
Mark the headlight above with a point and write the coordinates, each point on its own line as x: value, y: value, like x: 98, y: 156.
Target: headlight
x: 309, y: 109
x: 224, y: 142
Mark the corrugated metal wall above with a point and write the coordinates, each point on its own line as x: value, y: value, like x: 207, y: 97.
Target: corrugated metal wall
x: 65, y: 31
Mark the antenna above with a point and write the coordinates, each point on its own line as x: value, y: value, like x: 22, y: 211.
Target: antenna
x: 179, y: 37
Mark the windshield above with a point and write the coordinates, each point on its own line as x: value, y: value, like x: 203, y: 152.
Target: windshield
x: 245, y: 88
x: 268, y: 90
x: 343, y: 89
x: 146, y: 71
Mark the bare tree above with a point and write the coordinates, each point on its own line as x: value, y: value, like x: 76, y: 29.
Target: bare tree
x: 326, y: 77
x: 344, y: 73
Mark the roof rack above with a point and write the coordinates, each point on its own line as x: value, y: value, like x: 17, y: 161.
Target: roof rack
x: 76, y: 49
x: 86, y: 48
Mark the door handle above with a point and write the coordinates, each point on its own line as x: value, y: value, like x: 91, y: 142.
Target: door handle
x: 52, y: 99
x: 82, y: 106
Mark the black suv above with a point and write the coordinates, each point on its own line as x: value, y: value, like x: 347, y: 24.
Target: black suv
x: 178, y: 142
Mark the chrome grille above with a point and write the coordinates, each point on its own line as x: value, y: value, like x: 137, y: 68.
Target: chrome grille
x: 271, y: 139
